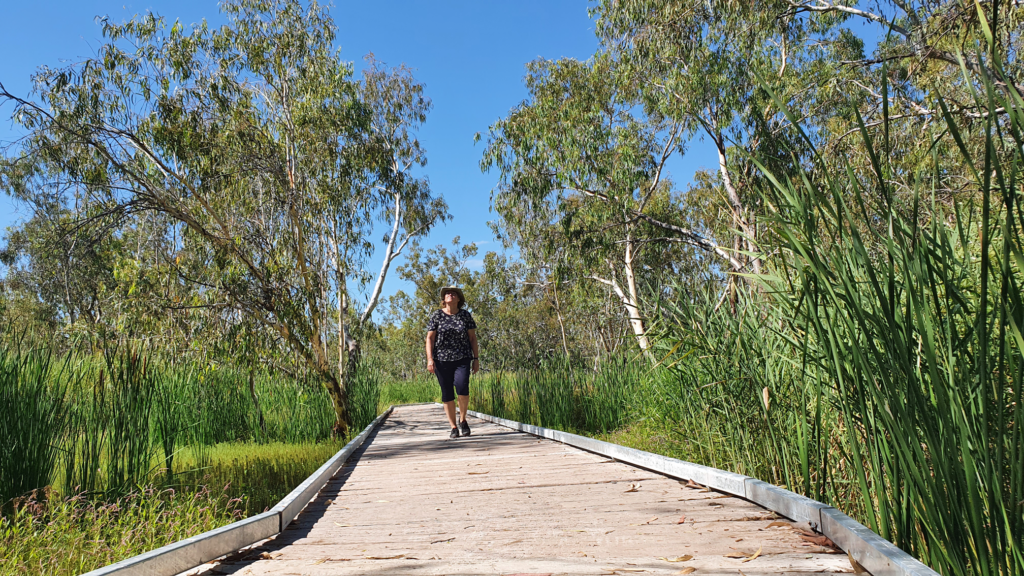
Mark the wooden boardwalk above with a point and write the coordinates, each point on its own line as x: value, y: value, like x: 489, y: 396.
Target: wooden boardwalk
x: 411, y: 501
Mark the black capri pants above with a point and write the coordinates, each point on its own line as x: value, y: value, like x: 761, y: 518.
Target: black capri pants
x: 454, y: 378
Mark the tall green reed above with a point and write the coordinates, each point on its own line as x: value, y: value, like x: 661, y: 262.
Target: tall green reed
x: 560, y: 395
x: 95, y: 425
x: 34, y: 420
x: 914, y: 323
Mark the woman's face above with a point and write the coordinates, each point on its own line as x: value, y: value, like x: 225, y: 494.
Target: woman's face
x: 451, y: 298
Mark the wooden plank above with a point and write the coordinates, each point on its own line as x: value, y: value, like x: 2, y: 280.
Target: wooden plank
x: 412, y: 501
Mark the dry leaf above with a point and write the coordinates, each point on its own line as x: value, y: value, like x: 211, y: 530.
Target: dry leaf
x: 755, y: 555
x: 479, y: 472
x: 651, y: 520
x: 442, y: 541
x: 385, y: 557
x: 819, y: 540
x: 692, y: 484
x: 687, y: 570
x: 320, y: 561
x: 767, y: 401
x: 681, y: 520
x: 779, y: 525
x: 735, y: 555
x: 857, y: 568
x: 682, y: 558
x: 633, y: 488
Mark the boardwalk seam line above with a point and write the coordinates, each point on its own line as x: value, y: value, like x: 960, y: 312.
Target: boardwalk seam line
x: 186, y: 554
x: 876, y: 554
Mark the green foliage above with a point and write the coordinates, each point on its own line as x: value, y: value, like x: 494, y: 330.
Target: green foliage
x: 34, y: 421
x: 557, y: 395
x: 112, y: 424
x: 47, y: 534
x: 423, y: 389
x: 914, y: 325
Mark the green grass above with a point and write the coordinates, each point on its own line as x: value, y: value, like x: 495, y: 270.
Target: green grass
x: 259, y: 475
x: 103, y: 458
x: 47, y: 534
x: 424, y: 389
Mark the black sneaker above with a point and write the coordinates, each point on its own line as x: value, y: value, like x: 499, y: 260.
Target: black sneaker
x: 465, y: 428
x: 454, y: 434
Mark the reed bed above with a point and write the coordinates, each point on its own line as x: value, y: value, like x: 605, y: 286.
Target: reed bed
x: 105, y: 426
x: 44, y: 533
x: 559, y: 395
x: 878, y: 368
x: 104, y: 458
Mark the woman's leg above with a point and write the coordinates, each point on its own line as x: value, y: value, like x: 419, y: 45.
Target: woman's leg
x: 449, y: 411
x: 445, y: 372
x: 460, y: 381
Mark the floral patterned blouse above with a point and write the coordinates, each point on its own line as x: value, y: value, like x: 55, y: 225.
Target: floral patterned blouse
x: 452, y: 341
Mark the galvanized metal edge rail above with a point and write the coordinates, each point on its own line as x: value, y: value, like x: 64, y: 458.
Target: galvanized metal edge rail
x: 876, y: 554
x: 191, y: 552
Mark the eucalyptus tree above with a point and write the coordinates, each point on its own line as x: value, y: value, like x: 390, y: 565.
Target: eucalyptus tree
x: 707, y: 64
x: 253, y: 141
x: 581, y: 180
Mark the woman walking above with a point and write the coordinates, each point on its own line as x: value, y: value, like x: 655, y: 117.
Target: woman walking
x: 452, y: 352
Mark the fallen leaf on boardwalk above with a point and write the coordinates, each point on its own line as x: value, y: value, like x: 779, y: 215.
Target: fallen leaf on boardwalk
x: 268, y: 555
x: 857, y: 568
x: 633, y: 488
x: 343, y: 525
x: 692, y: 484
x: 687, y: 570
x: 651, y: 520
x: 735, y: 555
x: 755, y: 555
x: 442, y: 541
x: 819, y: 540
x: 682, y: 558
x: 779, y: 525
x: 479, y: 472
x: 320, y: 561
x: 681, y: 520
x: 385, y: 557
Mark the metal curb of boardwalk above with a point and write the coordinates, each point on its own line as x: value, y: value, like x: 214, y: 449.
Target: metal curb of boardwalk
x: 876, y: 554
x: 191, y: 552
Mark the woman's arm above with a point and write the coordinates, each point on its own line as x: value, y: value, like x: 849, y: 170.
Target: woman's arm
x: 476, y: 350
x: 431, y: 337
